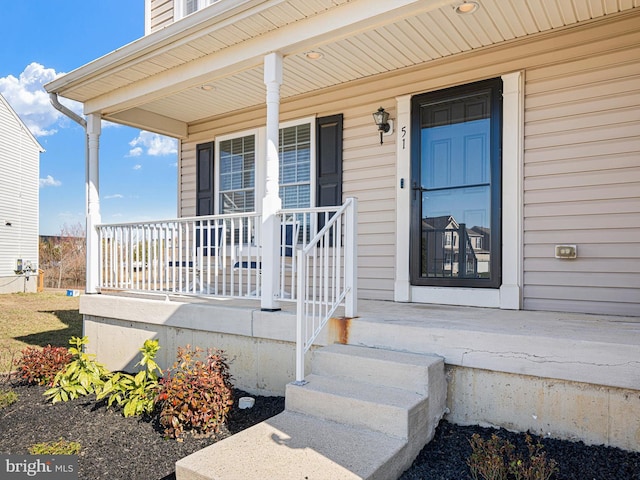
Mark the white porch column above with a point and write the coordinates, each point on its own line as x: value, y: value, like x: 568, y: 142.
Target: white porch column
x: 271, y: 202
x: 93, y: 201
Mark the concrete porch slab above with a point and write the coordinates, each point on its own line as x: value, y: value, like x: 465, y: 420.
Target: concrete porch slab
x: 564, y: 375
x: 594, y: 349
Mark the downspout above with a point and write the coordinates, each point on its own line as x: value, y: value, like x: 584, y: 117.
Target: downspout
x: 92, y: 210
x: 53, y: 97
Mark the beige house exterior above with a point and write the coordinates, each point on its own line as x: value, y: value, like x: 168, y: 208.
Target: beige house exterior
x: 564, y: 184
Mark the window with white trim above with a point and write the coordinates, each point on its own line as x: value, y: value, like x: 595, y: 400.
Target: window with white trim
x: 187, y: 7
x: 239, y: 181
x: 190, y: 6
x: 295, y: 166
x: 237, y: 178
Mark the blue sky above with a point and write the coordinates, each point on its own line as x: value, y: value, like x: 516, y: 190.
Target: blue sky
x: 42, y: 39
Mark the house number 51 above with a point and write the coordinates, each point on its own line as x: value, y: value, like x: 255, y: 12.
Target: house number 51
x: 404, y: 137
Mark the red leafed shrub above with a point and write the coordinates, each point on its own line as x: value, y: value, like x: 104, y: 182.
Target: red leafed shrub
x: 40, y: 365
x: 196, y: 394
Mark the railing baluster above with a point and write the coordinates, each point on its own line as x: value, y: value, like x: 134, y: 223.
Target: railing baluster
x: 175, y: 256
x: 326, y: 272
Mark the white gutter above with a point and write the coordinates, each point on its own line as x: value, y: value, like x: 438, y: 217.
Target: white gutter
x: 53, y: 97
x: 204, y: 21
x: 92, y: 130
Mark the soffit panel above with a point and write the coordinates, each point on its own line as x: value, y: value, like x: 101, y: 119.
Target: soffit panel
x: 404, y: 43
x: 184, y: 105
x: 213, y: 40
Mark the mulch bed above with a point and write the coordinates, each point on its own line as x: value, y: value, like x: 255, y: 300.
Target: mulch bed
x: 114, y: 447
x: 445, y: 457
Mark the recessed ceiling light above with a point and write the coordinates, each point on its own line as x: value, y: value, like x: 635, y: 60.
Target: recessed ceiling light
x: 313, y: 55
x: 466, y: 7
x: 207, y: 87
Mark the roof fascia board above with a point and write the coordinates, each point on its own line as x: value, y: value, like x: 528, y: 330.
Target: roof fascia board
x: 202, y: 22
x: 331, y: 25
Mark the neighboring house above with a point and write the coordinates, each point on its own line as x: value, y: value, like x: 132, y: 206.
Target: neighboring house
x: 519, y: 120
x: 19, y: 170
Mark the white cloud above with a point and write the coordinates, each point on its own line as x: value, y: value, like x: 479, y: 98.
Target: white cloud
x: 115, y: 195
x: 107, y: 123
x: 49, y: 182
x: 137, y: 167
x: 28, y: 98
x: 135, y: 152
x: 154, y: 144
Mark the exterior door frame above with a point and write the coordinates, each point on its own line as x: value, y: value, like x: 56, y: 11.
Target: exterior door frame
x: 509, y: 294
x: 494, y: 86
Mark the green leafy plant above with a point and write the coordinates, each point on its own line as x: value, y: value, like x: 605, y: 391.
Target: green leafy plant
x: 496, y: 459
x: 60, y: 447
x: 196, y: 394
x: 7, y: 397
x: 41, y: 365
x: 81, y: 376
x: 136, y: 394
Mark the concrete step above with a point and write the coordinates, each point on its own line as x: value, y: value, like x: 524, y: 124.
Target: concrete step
x: 363, y: 414
x: 389, y: 410
x: 407, y: 371
x: 291, y: 446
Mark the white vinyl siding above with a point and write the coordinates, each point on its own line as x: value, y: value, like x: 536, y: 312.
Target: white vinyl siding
x: 581, y: 173
x: 582, y: 183
x: 19, y: 170
x: 369, y: 175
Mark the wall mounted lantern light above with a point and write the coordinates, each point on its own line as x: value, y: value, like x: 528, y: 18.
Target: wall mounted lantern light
x: 381, y: 117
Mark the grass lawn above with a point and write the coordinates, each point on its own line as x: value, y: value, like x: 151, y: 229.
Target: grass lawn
x: 37, y: 319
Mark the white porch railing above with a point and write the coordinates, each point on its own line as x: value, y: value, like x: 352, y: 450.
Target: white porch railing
x: 221, y: 255
x: 209, y: 255
x: 217, y: 255
x: 327, y: 279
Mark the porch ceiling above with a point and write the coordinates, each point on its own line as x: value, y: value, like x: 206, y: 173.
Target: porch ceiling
x: 154, y: 83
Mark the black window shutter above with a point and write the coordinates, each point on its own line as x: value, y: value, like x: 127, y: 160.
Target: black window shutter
x: 329, y: 161
x: 204, y: 179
